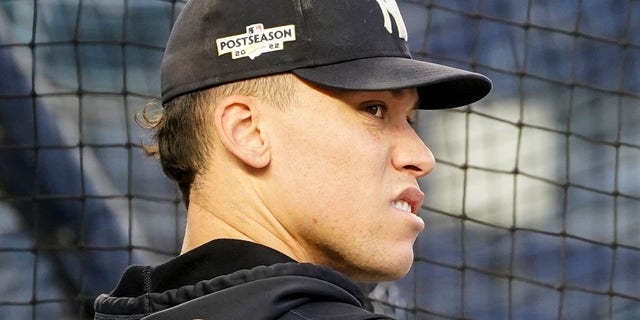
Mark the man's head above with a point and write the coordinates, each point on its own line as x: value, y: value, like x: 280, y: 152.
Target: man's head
x: 287, y: 122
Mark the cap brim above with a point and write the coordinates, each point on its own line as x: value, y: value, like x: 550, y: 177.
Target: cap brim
x: 439, y: 86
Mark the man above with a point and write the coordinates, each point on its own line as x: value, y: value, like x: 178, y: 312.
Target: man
x: 286, y: 124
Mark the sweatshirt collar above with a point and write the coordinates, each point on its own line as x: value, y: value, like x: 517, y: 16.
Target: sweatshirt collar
x: 215, y: 258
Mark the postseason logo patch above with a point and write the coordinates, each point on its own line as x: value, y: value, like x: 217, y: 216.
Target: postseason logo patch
x: 256, y: 41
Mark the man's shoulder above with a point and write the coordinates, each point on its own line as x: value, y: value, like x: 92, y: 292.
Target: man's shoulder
x: 205, y: 285
x: 285, y: 291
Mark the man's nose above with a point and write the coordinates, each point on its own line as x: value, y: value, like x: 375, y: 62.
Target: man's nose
x: 410, y: 153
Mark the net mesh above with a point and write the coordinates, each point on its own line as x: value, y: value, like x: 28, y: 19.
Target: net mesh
x: 533, y: 210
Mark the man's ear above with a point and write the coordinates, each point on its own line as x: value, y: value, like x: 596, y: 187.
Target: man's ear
x: 237, y: 122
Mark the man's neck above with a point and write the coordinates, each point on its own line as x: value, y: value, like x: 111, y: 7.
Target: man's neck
x: 205, y: 224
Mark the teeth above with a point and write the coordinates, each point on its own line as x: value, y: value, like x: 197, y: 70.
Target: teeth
x: 401, y: 205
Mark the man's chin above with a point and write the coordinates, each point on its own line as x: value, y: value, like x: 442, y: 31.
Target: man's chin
x: 386, y: 270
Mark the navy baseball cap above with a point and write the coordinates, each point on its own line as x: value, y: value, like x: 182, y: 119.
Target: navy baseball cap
x: 345, y: 44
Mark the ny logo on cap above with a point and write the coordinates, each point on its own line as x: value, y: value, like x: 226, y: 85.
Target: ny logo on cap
x: 390, y: 8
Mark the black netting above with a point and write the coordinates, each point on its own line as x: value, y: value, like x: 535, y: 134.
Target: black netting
x: 533, y: 211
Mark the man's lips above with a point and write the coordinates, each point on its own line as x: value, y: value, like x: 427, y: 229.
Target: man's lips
x: 410, y: 198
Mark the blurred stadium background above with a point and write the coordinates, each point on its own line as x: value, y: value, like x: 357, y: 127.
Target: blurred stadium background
x: 533, y: 211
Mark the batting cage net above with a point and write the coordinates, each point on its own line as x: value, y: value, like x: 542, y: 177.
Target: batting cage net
x: 533, y: 211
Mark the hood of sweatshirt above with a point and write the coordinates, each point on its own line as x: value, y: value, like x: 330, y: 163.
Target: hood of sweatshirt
x: 225, y: 279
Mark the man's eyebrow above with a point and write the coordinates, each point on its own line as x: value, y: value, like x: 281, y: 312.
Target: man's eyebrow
x: 354, y: 94
x: 415, y: 106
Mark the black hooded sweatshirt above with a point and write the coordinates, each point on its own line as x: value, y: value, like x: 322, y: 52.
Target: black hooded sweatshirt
x: 233, y: 279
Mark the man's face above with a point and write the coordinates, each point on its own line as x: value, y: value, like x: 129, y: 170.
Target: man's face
x: 343, y: 178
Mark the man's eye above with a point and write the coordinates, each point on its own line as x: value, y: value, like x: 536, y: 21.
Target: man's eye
x: 377, y: 110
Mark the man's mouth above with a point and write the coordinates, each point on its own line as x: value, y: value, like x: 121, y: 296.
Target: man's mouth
x: 409, y: 200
